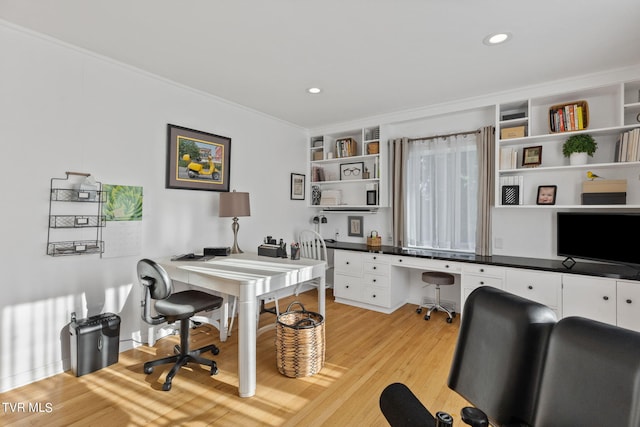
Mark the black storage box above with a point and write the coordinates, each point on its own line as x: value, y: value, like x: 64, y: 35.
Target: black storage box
x: 604, y: 198
x: 95, y: 343
x: 217, y: 251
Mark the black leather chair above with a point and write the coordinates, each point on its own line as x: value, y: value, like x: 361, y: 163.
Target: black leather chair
x: 172, y: 307
x: 521, y: 368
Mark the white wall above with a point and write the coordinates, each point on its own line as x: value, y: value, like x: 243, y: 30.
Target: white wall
x: 63, y: 109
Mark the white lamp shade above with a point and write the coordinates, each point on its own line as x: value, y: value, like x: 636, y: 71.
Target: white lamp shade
x: 234, y: 203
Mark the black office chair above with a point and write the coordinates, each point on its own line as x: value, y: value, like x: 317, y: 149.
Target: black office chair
x: 172, y: 307
x: 497, y: 362
x: 574, y: 372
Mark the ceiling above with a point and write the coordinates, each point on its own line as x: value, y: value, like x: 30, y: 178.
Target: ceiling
x: 370, y: 57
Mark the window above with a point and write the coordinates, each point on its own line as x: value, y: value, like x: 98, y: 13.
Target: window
x: 441, y: 183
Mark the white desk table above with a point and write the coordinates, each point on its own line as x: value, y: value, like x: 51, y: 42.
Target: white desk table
x: 247, y: 276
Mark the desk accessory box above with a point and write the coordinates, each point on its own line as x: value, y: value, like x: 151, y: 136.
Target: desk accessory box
x: 604, y: 192
x: 217, y: 251
x: 274, y: 251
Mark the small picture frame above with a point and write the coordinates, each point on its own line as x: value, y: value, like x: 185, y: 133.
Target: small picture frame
x: 532, y: 156
x: 354, y: 225
x: 297, y: 186
x: 372, y: 197
x: 351, y: 171
x: 546, y: 195
x: 510, y: 195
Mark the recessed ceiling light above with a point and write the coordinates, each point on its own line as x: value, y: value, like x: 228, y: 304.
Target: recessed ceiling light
x: 496, y: 38
x: 314, y: 90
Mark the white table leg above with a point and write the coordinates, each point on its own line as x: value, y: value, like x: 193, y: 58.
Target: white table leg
x: 247, y: 326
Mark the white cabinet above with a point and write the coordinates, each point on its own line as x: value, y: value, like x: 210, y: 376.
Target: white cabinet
x: 477, y: 275
x: 540, y: 286
x: 591, y: 297
x: 365, y: 280
x: 612, y: 110
x: 349, y: 170
x: 628, y: 304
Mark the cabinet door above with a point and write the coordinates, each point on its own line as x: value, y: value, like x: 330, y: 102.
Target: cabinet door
x: 590, y: 297
x: 348, y: 262
x: 470, y: 282
x: 628, y: 313
x: 347, y: 287
x: 542, y: 287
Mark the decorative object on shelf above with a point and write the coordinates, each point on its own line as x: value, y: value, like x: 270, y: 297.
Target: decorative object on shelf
x: 372, y: 197
x: 354, y: 225
x: 532, y: 156
x: 197, y: 160
x: 373, y: 148
x: 593, y: 176
x: 346, y: 147
x: 316, y: 194
x: 350, y: 171
x: 513, y: 116
x: 604, y: 192
x: 510, y: 195
x: 234, y: 204
x: 578, y: 147
x: 297, y: 186
x: 568, y: 117
x: 546, y: 195
x: 513, y: 132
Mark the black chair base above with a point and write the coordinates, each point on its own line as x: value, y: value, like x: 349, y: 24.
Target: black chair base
x: 183, y: 357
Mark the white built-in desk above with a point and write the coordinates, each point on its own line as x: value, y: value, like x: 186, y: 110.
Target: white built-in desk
x: 376, y: 279
x: 247, y: 276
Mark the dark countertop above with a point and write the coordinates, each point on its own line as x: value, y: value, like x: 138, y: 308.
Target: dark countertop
x: 614, y: 271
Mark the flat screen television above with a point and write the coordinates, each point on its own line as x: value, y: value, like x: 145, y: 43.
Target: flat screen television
x: 608, y: 237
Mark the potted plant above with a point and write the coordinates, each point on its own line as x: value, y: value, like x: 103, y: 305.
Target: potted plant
x: 578, y: 147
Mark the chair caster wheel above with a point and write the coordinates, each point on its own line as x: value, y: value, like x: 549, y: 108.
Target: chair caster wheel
x: 215, y: 350
x: 166, y: 386
x: 427, y: 317
x: 148, y: 370
x: 453, y: 314
x: 176, y: 349
x: 418, y: 310
x: 449, y: 320
x: 214, y: 370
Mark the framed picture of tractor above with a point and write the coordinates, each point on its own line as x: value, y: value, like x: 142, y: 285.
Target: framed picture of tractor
x: 197, y: 160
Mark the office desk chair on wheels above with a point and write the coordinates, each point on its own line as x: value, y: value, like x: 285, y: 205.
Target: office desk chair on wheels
x: 172, y: 307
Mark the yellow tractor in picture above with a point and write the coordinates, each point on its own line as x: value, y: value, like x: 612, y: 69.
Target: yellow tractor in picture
x: 195, y: 169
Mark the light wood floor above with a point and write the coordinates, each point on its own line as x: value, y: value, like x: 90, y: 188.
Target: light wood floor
x: 365, y: 351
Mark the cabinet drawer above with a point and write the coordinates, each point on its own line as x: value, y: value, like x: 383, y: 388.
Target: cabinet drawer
x: 376, y: 268
x: 347, y: 287
x: 481, y: 269
x: 544, y: 288
x: 376, y: 280
x: 347, y: 262
x: 377, y: 258
x: 473, y: 281
x: 377, y: 296
x: 426, y: 264
x: 591, y: 297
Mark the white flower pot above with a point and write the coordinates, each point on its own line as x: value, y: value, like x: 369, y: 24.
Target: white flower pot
x: 578, y: 158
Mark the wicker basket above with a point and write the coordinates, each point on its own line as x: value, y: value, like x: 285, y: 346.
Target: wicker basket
x: 299, y: 342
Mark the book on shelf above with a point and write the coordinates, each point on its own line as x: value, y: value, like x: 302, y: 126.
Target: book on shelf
x: 568, y: 117
x: 317, y: 174
x: 628, y: 146
x: 346, y: 147
x: 508, y: 158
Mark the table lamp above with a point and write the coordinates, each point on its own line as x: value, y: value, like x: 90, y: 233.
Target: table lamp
x: 234, y: 204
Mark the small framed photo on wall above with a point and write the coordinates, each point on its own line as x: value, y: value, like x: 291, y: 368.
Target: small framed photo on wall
x: 297, y: 186
x: 546, y: 195
x: 354, y: 225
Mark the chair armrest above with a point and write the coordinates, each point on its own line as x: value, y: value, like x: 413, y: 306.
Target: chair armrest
x: 402, y: 408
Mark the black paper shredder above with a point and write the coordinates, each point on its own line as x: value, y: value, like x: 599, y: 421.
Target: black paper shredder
x: 95, y: 343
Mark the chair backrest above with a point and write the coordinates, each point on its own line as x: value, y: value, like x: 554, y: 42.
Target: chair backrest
x: 591, y: 376
x: 156, y: 284
x: 312, y: 245
x: 499, y: 356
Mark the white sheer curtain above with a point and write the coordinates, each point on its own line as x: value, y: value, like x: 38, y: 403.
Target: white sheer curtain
x: 441, y: 183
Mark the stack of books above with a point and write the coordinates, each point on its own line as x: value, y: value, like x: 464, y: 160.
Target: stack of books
x: 627, y: 149
x: 508, y: 158
x: 568, y: 117
x: 331, y: 198
x: 346, y: 147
